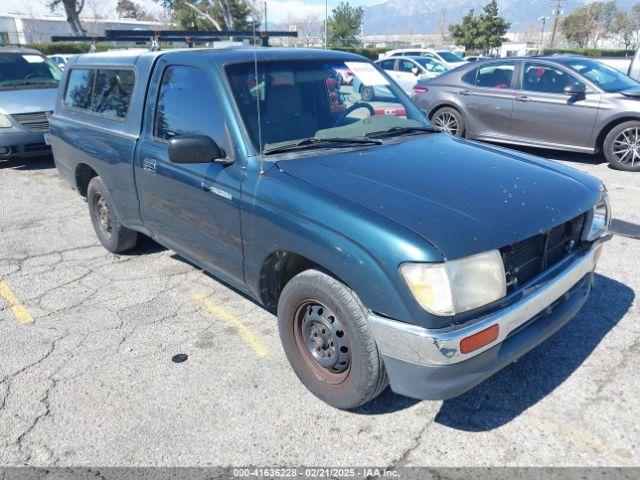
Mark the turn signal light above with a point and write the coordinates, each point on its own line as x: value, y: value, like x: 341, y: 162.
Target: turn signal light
x: 479, y: 340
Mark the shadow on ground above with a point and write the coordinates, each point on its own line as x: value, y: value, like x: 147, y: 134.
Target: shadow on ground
x: 514, y: 389
x: 36, y: 163
x: 511, y: 391
x: 562, y: 155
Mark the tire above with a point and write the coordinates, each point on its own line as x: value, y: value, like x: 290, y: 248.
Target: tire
x: 449, y: 120
x: 314, y: 300
x: 619, y: 157
x: 113, y: 236
x: 367, y: 93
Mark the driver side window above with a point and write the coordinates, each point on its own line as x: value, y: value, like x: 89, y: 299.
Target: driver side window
x: 406, y: 66
x: 543, y: 78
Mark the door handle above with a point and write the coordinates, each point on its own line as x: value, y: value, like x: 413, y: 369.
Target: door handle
x: 464, y: 92
x: 149, y: 165
x: 522, y: 98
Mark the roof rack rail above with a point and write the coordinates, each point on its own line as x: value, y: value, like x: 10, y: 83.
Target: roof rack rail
x: 190, y: 37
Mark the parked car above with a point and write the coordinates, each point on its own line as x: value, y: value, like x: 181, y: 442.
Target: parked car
x: 61, y: 59
x: 559, y: 102
x: 475, y: 58
x: 391, y: 252
x: 450, y: 59
x: 28, y: 89
x: 406, y: 71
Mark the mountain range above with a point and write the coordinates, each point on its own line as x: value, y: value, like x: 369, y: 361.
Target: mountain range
x: 425, y: 16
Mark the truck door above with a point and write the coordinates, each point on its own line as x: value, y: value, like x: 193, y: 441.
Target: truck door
x: 193, y: 208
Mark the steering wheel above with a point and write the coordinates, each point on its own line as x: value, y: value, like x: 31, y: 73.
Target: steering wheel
x: 353, y: 108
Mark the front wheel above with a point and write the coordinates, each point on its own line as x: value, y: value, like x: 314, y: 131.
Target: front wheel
x: 326, y: 337
x: 622, y: 147
x: 449, y: 120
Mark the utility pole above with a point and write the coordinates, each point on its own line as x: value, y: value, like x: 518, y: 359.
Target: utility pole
x: 557, y: 11
x: 326, y: 16
x: 544, y: 22
x: 266, y: 25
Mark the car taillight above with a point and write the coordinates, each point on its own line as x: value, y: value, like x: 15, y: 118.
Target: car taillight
x: 418, y: 89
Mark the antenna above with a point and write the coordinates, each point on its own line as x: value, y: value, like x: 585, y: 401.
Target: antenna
x: 255, y: 72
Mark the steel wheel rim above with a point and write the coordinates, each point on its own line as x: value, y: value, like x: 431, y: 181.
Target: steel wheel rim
x: 322, y: 342
x: 626, y: 147
x: 104, y: 214
x: 446, y: 122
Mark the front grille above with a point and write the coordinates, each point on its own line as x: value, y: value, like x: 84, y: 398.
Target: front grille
x: 524, y: 260
x: 36, y: 147
x: 36, y: 121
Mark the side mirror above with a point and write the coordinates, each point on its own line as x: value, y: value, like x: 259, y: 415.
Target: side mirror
x: 575, y: 90
x: 415, y: 71
x: 195, y: 149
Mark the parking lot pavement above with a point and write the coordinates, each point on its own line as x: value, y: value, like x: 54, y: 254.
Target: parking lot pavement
x: 87, y: 377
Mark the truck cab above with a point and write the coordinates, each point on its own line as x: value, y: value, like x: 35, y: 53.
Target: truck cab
x: 391, y: 253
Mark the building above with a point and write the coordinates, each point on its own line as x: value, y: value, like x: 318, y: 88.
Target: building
x: 20, y: 29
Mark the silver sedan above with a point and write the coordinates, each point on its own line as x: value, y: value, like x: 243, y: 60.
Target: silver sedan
x: 560, y: 102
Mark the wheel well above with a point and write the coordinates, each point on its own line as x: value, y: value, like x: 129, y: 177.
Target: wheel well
x: 444, y: 105
x: 84, y: 174
x: 277, y: 270
x: 611, y: 125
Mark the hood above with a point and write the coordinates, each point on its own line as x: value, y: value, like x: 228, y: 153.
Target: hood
x: 462, y: 197
x: 27, y: 100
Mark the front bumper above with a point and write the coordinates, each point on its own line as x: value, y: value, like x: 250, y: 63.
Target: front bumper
x: 23, y: 144
x: 428, y: 364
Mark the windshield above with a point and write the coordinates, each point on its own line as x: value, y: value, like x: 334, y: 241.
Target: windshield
x: 20, y: 69
x: 450, y: 57
x: 607, y: 78
x: 296, y: 100
x: 431, y: 65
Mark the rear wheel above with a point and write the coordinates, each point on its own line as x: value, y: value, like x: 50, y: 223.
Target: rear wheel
x: 622, y: 146
x: 449, y: 120
x: 367, y: 93
x: 326, y: 337
x: 113, y: 236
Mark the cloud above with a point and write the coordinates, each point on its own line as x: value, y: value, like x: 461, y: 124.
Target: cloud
x: 280, y: 10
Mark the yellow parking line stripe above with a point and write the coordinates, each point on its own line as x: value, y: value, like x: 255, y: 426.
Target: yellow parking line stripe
x: 19, y: 310
x: 245, y: 332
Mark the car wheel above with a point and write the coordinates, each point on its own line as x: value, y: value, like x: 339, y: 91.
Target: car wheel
x: 449, y: 120
x: 622, y: 147
x: 326, y: 337
x: 113, y: 236
x: 367, y: 93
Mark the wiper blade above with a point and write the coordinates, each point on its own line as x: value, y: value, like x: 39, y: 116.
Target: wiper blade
x: 331, y: 142
x: 396, y: 131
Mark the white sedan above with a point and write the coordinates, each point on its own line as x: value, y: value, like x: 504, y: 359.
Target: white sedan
x: 406, y: 71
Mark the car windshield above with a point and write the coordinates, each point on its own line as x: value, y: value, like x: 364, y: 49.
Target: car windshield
x: 607, y: 78
x: 290, y: 102
x: 431, y: 65
x: 27, y: 69
x: 450, y: 57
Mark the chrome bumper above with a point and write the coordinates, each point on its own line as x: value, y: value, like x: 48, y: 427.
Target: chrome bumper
x: 422, y: 346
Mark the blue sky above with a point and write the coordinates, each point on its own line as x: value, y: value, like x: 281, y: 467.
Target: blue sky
x: 278, y: 10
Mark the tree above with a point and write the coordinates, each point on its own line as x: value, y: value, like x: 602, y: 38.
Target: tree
x: 72, y: 9
x: 483, y: 32
x: 626, y: 25
x: 590, y: 24
x: 344, y: 25
x: 205, y: 14
x: 129, y: 9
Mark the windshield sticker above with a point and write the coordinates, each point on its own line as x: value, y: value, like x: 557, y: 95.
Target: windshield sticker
x: 366, y: 73
x: 33, y: 58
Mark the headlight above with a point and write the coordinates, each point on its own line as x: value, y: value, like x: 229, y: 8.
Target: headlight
x: 459, y: 285
x: 599, y: 219
x: 5, y: 122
